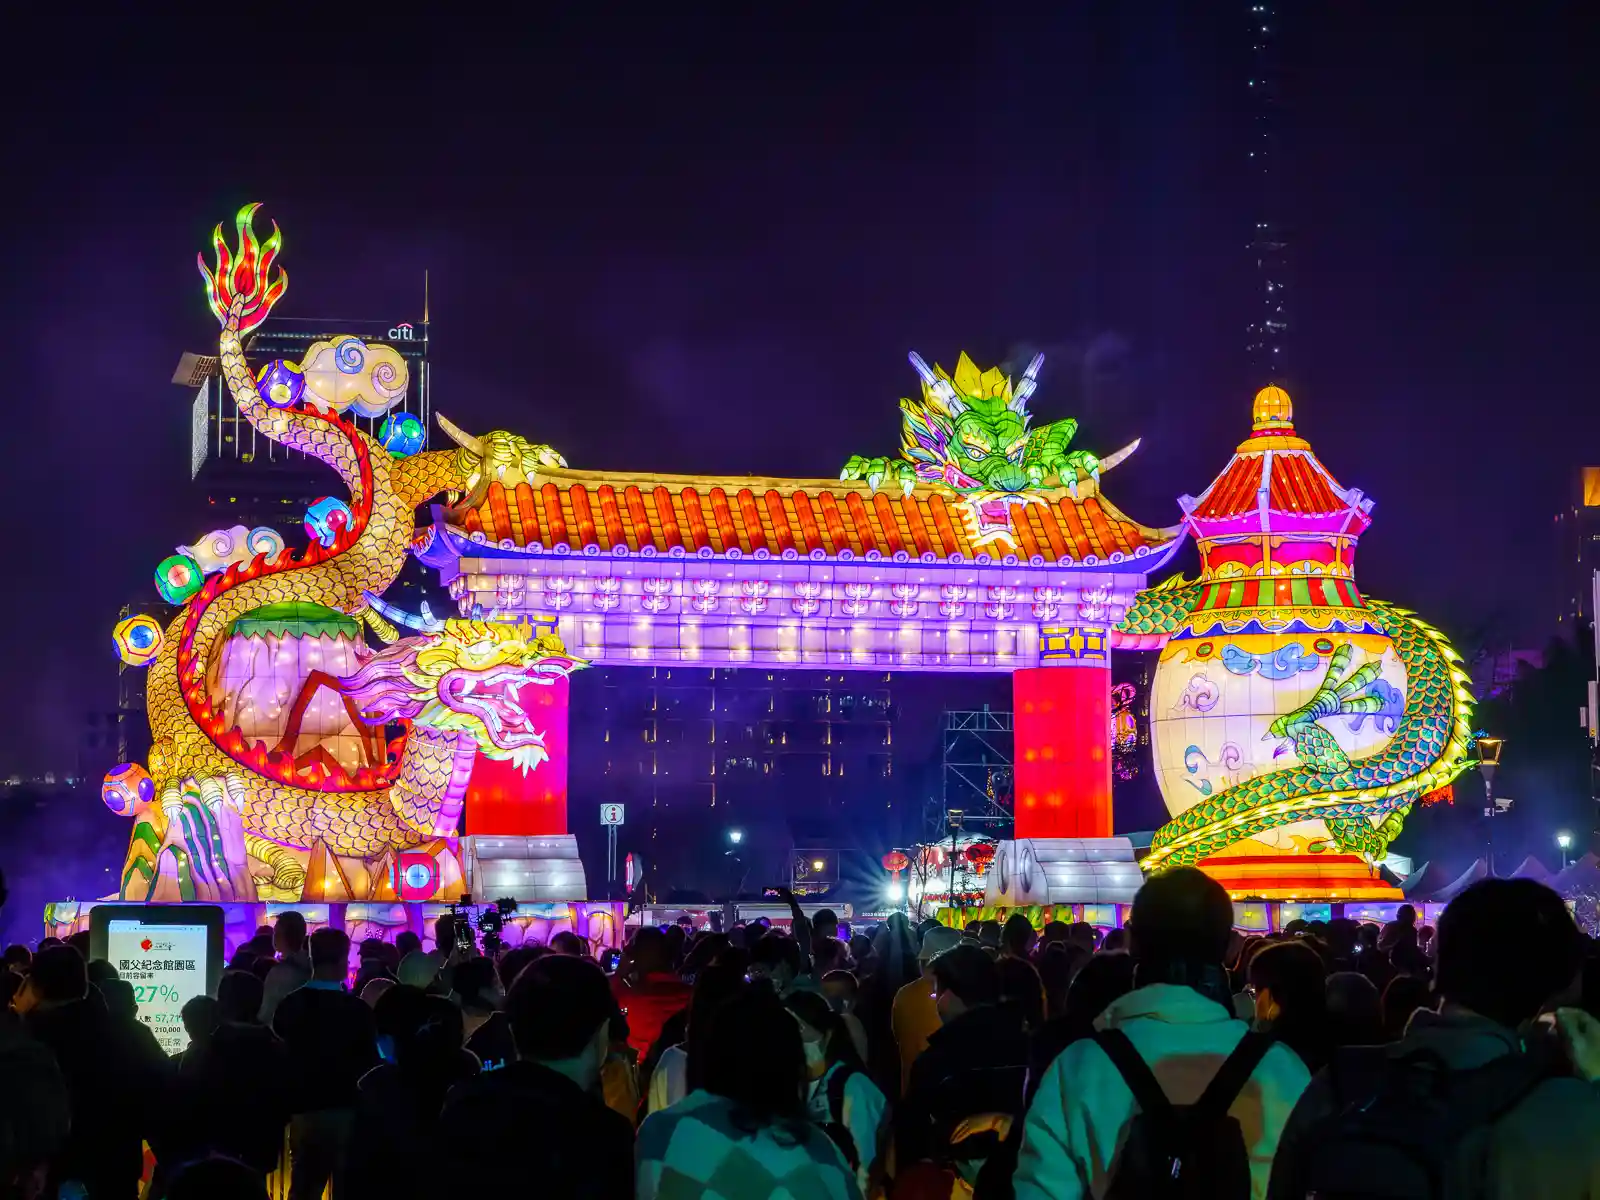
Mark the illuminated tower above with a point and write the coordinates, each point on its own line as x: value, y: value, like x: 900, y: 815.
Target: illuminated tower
x: 1267, y: 341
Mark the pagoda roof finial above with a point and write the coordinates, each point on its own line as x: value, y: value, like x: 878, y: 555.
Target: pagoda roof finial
x: 1273, y: 409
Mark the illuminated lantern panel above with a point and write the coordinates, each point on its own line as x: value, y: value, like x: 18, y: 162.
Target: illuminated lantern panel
x: 273, y: 681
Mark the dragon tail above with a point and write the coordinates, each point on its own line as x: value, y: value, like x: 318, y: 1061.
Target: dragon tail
x: 242, y: 292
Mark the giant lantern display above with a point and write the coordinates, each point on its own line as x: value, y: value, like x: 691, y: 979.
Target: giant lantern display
x: 290, y: 759
x: 310, y: 742
x: 1295, y: 721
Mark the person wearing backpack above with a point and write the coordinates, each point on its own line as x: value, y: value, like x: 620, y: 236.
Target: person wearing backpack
x: 1475, y: 1100
x: 840, y: 1096
x: 1173, y: 1097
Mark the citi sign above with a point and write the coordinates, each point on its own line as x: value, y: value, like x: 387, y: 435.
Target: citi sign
x: 403, y: 333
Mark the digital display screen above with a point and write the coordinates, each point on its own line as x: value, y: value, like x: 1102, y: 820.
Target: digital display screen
x: 166, y: 966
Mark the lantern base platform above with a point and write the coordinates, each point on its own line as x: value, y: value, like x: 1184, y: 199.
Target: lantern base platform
x: 1299, y: 877
x: 1032, y: 871
x: 540, y: 869
x: 599, y: 921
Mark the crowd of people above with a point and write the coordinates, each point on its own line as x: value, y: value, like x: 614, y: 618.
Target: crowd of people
x: 1174, y: 1057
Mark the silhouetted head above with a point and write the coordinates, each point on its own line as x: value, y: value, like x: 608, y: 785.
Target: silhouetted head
x: 330, y: 955
x: 1018, y: 937
x: 1106, y: 977
x: 964, y: 978
x: 776, y: 957
x: 289, y: 933
x: 58, y: 976
x: 567, y: 942
x: 1179, y: 931
x: 1290, y: 983
x: 651, y: 950
x: 755, y: 1058
x: 239, y: 994
x: 1506, y: 948
x: 561, y: 1011
x: 201, y: 1017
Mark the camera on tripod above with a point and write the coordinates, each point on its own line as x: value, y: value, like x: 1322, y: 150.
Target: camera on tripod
x: 468, y: 920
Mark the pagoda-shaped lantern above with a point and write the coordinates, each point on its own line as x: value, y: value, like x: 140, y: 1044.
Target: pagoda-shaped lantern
x: 1277, y: 655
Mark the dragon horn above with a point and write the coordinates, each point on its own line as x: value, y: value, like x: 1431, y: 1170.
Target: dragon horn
x: 941, y: 388
x: 458, y: 435
x: 1112, y: 460
x: 426, y: 623
x: 1030, y: 380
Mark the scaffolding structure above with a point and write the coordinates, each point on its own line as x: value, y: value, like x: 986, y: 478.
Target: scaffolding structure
x: 975, y: 771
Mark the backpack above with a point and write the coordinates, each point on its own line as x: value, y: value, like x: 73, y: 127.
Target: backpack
x: 1183, y: 1152
x: 1401, y: 1124
x: 834, y: 1126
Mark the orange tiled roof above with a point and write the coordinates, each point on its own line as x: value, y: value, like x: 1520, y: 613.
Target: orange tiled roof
x: 583, y: 508
x: 1299, y: 483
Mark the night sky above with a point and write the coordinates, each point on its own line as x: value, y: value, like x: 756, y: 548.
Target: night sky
x: 705, y: 244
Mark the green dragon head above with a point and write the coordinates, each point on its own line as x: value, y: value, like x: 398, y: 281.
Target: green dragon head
x: 973, y: 427
x: 463, y: 676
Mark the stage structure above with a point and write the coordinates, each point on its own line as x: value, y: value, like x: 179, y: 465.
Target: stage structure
x: 295, y: 761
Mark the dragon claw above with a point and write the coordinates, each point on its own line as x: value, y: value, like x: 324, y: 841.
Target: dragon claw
x: 874, y: 480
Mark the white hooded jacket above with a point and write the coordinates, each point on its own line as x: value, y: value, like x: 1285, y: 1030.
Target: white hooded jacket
x: 1080, y: 1115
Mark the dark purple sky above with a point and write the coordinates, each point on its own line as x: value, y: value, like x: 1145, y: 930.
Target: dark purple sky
x: 706, y: 244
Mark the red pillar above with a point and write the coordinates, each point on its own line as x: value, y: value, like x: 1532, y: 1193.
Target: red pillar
x: 502, y: 800
x: 1062, y: 723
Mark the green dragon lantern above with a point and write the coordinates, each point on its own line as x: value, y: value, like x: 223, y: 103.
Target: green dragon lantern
x: 970, y: 433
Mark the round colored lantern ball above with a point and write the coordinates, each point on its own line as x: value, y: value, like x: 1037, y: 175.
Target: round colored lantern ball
x: 137, y: 640
x: 401, y: 435
x: 127, y: 786
x: 281, y: 384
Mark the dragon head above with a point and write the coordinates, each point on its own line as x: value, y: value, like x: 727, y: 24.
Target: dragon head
x: 496, y: 456
x: 465, y: 676
x: 972, y: 425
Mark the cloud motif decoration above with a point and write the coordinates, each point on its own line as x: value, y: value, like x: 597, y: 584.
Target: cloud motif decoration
x: 349, y: 375
x: 1283, y: 663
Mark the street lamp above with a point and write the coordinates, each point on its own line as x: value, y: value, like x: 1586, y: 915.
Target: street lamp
x: 1488, y: 759
x: 1564, y: 840
x: 730, y: 910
